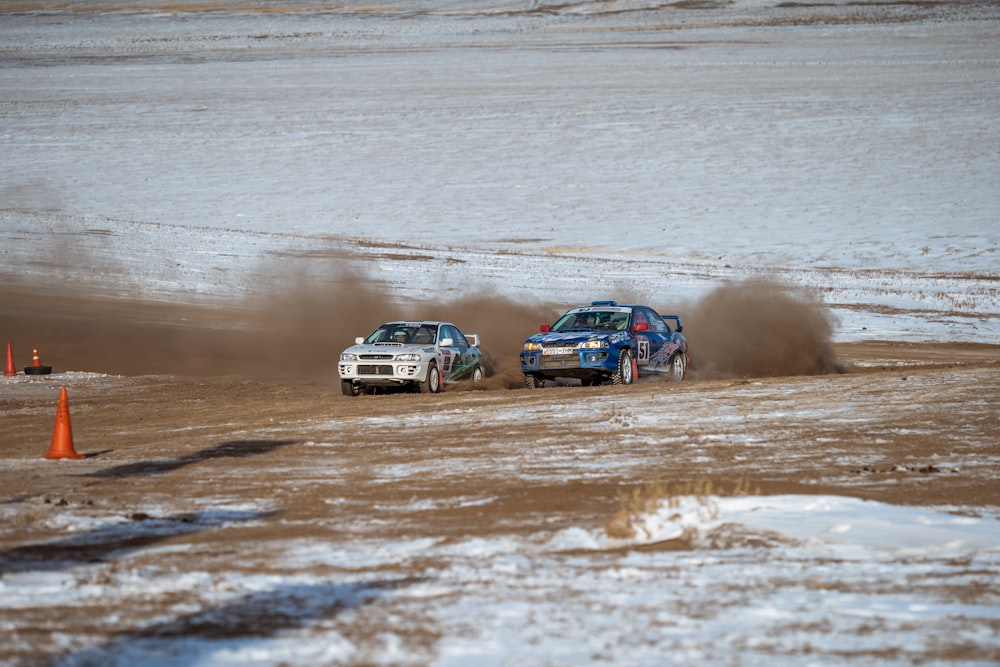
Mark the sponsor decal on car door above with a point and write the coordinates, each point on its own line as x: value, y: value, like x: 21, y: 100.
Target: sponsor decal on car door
x: 446, y: 360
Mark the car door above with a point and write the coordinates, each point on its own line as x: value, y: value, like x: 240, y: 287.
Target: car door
x: 659, y: 337
x: 451, y: 354
x: 640, y: 333
x: 466, y: 356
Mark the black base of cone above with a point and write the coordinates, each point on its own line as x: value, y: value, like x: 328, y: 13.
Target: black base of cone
x: 37, y: 370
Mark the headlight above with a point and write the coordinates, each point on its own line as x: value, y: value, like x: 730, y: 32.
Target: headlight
x: 594, y: 344
x: 532, y: 347
x: 409, y: 356
x: 348, y: 356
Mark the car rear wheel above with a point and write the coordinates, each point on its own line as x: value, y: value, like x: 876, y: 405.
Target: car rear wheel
x: 624, y: 374
x: 348, y: 388
x: 533, y: 381
x: 432, y: 384
x: 678, y: 366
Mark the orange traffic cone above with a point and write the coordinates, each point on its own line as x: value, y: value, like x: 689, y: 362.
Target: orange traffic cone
x: 62, y: 435
x: 36, y: 367
x: 635, y: 370
x: 11, y: 371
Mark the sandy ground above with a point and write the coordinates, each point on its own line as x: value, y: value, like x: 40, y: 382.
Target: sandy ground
x: 182, y: 408
x: 912, y: 424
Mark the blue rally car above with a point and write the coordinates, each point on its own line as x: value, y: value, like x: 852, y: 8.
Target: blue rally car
x: 606, y: 342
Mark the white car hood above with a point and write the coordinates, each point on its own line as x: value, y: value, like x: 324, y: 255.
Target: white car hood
x: 390, y: 349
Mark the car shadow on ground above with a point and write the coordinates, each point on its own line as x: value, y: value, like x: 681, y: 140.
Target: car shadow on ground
x: 114, y: 540
x: 253, y: 617
x: 231, y: 449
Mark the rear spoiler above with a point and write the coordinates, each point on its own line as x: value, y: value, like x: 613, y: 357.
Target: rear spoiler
x: 473, y: 339
x: 679, y: 326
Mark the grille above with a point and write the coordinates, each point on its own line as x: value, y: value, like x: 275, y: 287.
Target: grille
x: 559, y: 361
x: 375, y: 369
x: 375, y: 357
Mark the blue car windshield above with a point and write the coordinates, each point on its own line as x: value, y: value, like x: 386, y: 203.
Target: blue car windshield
x: 592, y: 319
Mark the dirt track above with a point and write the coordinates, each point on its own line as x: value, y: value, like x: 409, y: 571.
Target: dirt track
x: 914, y: 424
x: 231, y: 493
x: 918, y: 403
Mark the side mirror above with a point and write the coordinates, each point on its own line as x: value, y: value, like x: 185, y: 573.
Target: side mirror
x: 544, y: 328
x: 642, y: 326
x: 446, y: 342
x: 359, y: 341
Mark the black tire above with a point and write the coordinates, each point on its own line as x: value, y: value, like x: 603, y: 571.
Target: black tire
x: 348, y: 388
x: 678, y: 366
x: 624, y: 374
x: 533, y: 381
x: 478, y: 374
x: 37, y: 370
x: 432, y: 384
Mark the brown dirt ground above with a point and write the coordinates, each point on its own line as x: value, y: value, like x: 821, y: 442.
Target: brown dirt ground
x: 910, y: 424
x: 177, y: 380
x: 156, y: 435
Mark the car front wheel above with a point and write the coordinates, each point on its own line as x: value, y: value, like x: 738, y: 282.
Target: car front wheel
x: 432, y: 384
x: 478, y: 374
x: 624, y: 374
x: 348, y: 388
x: 533, y: 381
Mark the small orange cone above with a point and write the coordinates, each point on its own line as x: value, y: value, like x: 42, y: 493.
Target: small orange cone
x: 11, y: 370
x: 635, y: 371
x: 62, y: 435
x: 36, y: 367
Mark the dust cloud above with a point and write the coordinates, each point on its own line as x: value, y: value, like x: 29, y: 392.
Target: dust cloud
x: 316, y: 319
x: 292, y: 328
x: 288, y: 328
x: 760, y: 328
x: 502, y: 325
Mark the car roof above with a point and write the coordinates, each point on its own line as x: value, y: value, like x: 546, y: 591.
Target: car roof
x: 603, y: 305
x: 414, y: 323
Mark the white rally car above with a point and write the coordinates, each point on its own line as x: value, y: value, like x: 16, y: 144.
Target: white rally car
x: 416, y: 355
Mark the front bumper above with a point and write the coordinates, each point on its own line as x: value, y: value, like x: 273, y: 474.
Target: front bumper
x: 579, y: 363
x: 382, y: 372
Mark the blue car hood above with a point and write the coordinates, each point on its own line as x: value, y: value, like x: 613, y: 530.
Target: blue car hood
x: 569, y: 337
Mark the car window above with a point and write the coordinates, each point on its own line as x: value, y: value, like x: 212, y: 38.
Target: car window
x: 458, y: 340
x: 591, y: 319
x: 619, y: 321
x: 586, y: 320
x: 459, y: 337
x: 387, y: 333
x: 639, y: 316
x: 605, y: 320
x: 425, y: 335
x: 569, y: 321
x: 656, y: 322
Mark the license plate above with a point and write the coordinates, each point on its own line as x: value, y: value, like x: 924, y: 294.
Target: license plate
x: 558, y: 350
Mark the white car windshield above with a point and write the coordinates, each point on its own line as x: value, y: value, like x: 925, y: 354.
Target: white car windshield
x: 404, y: 334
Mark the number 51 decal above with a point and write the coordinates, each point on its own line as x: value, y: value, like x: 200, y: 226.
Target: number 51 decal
x: 643, y: 349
